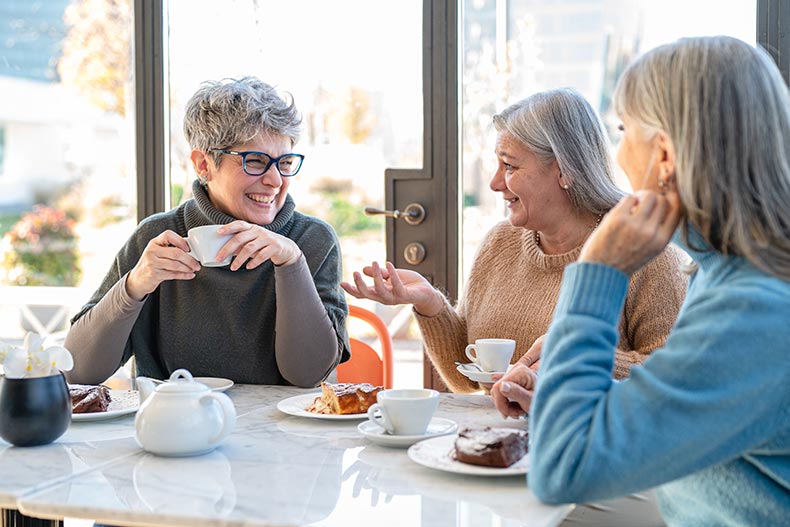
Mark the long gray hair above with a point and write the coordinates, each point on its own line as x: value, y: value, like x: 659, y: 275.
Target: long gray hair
x: 233, y: 111
x: 560, y: 124
x: 726, y: 109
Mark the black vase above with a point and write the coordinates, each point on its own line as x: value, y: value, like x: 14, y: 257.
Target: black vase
x: 34, y: 411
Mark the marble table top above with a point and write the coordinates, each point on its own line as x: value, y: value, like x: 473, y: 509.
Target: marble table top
x: 274, y: 469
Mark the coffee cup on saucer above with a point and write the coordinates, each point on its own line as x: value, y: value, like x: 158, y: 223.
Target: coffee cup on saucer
x: 491, y: 355
x: 404, y: 411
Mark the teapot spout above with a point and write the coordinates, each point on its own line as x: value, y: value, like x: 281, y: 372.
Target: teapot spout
x: 145, y: 386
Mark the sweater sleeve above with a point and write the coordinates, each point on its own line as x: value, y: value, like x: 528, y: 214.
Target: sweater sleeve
x: 445, y: 338
x: 655, y: 294
x: 684, y: 410
x: 98, y: 338
x: 307, y: 345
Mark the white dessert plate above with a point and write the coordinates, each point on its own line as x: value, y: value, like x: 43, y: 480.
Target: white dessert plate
x: 437, y: 427
x: 298, y: 404
x: 217, y: 384
x: 437, y: 453
x: 123, y: 402
x: 472, y: 372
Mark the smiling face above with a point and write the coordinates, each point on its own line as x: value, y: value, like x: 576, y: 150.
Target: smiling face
x: 531, y: 188
x: 255, y: 199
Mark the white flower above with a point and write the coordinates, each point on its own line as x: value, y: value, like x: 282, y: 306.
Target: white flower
x: 32, y: 359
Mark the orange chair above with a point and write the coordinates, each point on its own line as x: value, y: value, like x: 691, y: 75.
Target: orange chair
x: 366, y: 365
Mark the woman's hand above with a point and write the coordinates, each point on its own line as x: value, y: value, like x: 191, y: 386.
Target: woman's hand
x: 531, y: 359
x: 396, y: 286
x: 512, y: 394
x: 166, y: 257
x: 634, y: 231
x: 254, y: 245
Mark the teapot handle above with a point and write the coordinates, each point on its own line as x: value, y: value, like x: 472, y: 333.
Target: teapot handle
x: 228, y: 414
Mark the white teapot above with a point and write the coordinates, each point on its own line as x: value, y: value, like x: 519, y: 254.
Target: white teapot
x: 182, y: 417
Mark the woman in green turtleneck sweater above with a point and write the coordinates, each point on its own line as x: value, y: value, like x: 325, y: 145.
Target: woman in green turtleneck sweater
x: 276, y: 314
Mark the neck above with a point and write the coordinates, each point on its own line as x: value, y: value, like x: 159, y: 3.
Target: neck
x: 568, y: 236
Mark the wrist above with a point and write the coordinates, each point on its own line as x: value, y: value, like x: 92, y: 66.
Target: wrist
x: 290, y: 261
x: 432, y: 306
x: 131, y: 289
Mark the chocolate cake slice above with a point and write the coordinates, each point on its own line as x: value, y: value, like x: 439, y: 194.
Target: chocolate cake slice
x: 87, y: 398
x: 491, y: 447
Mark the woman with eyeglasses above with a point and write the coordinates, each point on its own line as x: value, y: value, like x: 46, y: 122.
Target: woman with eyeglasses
x: 276, y: 314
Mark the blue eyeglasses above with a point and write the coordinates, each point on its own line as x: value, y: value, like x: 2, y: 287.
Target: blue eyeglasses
x: 257, y: 163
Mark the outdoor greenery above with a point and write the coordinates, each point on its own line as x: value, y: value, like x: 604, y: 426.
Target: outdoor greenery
x: 347, y: 218
x: 7, y: 220
x: 40, y: 249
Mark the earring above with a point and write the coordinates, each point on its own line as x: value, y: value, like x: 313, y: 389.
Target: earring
x: 203, y: 180
x: 565, y: 186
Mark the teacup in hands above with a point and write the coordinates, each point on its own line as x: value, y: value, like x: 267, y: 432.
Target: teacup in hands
x: 205, y: 243
x: 491, y: 355
x: 404, y: 412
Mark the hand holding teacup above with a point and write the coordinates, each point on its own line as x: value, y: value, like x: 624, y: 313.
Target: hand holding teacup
x: 404, y: 412
x: 204, y: 244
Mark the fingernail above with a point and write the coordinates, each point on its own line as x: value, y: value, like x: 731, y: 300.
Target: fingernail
x: 505, y: 387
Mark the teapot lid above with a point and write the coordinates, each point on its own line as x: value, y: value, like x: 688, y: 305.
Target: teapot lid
x: 181, y: 381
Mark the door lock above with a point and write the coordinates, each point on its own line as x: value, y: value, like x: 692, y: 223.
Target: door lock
x: 414, y: 253
x: 414, y: 213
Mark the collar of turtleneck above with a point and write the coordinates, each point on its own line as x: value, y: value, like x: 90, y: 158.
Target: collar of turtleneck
x: 205, y: 213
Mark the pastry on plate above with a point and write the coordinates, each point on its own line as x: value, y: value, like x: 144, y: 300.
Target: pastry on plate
x: 344, y: 398
x: 87, y: 398
x: 491, y: 447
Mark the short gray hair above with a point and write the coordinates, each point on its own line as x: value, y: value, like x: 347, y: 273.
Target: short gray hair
x: 233, y: 111
x: 560, y: 124
x: 726, y: 108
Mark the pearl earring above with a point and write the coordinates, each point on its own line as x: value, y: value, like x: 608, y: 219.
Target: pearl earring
x: 565, y: 186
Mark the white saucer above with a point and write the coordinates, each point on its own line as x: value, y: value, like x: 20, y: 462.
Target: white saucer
x: 437, y: 427
x: 473, y: 373
x: 216, y: 384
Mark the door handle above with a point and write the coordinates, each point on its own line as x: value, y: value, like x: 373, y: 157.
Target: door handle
x: 414, y: 213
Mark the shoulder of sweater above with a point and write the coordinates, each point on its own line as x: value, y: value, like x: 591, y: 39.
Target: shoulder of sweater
x: 304, y: 224
x: 739, y: 281
x: 160, y: 221
x: 503, y: 234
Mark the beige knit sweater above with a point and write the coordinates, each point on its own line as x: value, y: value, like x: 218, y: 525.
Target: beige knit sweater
x: 511, y: 293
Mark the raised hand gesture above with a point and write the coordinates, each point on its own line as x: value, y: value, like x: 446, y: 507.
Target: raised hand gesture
x: 393, y: 286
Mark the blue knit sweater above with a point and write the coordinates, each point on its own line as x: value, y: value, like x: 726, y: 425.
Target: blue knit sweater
x: 707, y: 417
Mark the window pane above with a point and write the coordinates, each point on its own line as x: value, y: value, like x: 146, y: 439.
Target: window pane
x: 354, y: 69
x: 513, y: 49
x: 67, y: 179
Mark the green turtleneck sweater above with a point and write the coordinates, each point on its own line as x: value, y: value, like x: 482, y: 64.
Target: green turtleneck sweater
x: 268, y: 325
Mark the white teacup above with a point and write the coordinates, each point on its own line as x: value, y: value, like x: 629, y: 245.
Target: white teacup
x: 492, y: 355
x: 404, y: 412
x: 205, y: 243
